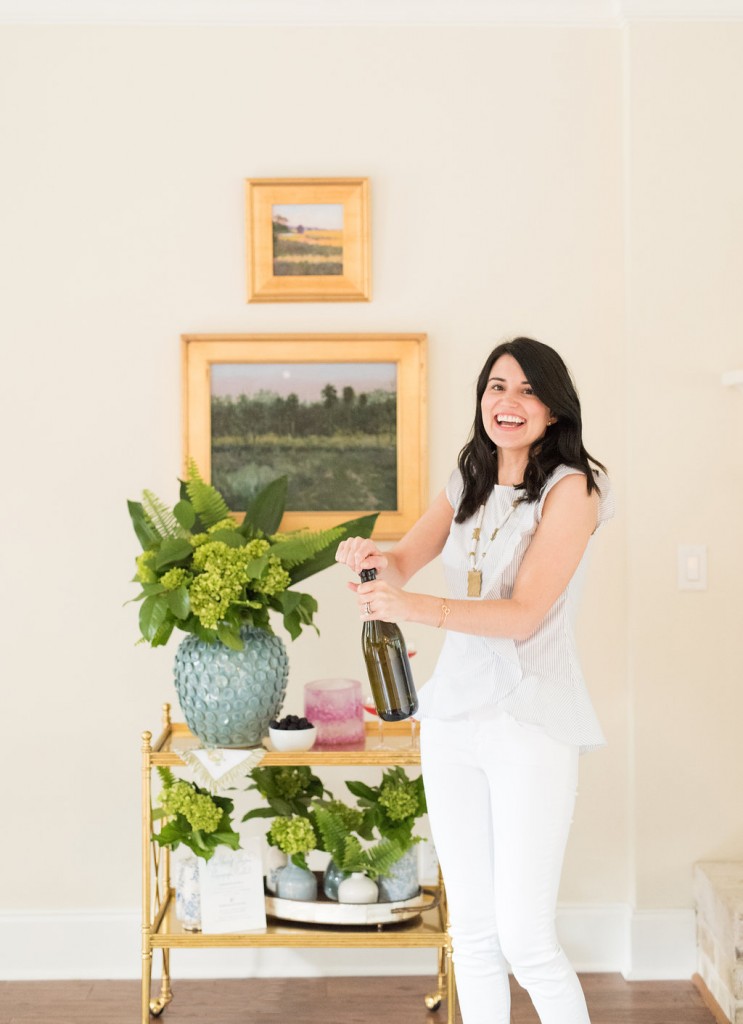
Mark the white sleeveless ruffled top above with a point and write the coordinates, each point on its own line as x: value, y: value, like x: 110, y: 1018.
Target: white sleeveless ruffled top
x: 537, y: 680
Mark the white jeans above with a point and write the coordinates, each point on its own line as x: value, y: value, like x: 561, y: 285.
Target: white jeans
x: 500, y: 802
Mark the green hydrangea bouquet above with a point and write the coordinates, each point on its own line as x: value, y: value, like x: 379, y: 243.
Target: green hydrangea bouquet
x: 202, y: 572
x: 200, y: 821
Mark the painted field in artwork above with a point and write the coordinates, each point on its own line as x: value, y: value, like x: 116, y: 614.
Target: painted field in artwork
x: 331, y: 428
x: 307, y: 239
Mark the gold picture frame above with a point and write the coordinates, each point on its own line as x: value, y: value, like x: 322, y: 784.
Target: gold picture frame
x: 344, y: 416
x: 308, y: 239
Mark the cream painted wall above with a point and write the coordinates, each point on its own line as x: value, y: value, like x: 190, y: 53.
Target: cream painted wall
x: 685, y: 469
x: 497, y: 158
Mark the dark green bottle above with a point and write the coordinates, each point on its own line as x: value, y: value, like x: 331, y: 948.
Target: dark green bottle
x: 388, y: 666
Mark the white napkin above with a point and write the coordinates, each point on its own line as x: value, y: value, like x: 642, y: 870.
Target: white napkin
x: 218, y: 768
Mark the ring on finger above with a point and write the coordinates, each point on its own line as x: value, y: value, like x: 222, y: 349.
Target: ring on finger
x: 367, y: 609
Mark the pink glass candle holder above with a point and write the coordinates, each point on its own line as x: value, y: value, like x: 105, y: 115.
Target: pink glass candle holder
x: 334, y: 707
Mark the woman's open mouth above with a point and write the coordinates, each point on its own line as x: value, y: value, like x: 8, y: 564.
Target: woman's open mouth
x: 506, y: 422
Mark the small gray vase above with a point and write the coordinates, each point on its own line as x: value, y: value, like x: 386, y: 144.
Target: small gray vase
x: 295, y: 883
x: 331, y: 879
x: 229, y: 697
x: 402, y: 881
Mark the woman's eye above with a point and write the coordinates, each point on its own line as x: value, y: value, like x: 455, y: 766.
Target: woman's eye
x: 528, y: 391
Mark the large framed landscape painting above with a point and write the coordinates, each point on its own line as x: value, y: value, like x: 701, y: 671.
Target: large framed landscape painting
x: 342, y: 416
x: 308, y: 239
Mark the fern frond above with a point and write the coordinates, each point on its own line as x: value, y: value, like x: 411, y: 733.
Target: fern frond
x: 166, y: 776
x: 353, y: 857
x: 160, y: 517
x: 300, y: 546
x: 381, y: 857
x: 208, y: 503
x: 333, y: 832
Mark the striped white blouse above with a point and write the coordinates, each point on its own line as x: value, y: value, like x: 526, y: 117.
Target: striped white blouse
x: 537, y: 680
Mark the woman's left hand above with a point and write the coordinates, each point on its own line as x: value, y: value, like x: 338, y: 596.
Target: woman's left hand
x: 380, y: 600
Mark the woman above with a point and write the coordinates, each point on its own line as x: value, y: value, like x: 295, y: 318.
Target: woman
x: 506, y: 712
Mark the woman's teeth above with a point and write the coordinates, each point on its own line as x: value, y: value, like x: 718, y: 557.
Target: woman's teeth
x: 509, y: 421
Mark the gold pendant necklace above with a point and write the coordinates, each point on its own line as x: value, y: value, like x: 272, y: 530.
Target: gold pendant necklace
x: 474, y: 573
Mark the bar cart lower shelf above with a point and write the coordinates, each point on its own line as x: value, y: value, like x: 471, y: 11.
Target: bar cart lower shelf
x: 162, y: 931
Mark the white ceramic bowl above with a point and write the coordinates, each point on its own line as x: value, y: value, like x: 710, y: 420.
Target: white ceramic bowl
x: 292, y: 739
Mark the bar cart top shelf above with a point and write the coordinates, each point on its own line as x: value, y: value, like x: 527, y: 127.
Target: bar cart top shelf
x: 400, y: 740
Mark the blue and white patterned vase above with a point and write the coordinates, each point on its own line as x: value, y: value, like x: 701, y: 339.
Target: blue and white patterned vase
x: 229, y: 697
x: 275, y: 862
x: 294, y: 883
x: 331, y: 879
x: 402, y: 881
x: 188, y: 892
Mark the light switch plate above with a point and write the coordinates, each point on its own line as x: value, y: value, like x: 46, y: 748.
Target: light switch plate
x: 692, y: 567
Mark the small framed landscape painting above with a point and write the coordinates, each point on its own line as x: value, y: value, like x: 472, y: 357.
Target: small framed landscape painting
x: 342, y: 416
x: 308, y: 239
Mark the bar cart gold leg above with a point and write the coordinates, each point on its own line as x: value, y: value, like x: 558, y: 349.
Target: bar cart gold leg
x: 146, y: 983
x: 434, y: 999
x: 451, y: 988
x: 158, y: 1005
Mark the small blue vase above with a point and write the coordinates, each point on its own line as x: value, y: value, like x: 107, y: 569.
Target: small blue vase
x: 402, y: 881
x: 332, y: 879
x: 229, y: 697
x: 295, y: 883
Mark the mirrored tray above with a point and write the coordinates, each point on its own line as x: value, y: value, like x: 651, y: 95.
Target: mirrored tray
x: 325, y: 911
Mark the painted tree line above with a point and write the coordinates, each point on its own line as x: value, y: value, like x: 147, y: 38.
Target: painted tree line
x: 266, y: 412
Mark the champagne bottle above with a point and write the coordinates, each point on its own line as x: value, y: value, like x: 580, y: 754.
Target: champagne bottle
x: 388, y: 666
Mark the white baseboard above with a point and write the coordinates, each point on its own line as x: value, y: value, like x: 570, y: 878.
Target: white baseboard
x: 106, y: 944
x: 662, y: 945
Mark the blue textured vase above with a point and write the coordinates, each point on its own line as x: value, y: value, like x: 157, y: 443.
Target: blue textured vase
x: 402, y: 881
x: 331, y: 879
x: 295, y: 883
x: 229, y: 697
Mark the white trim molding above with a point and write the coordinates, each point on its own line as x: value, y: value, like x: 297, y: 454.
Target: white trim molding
x: 644, y: 945
x: 662, y: 945
x: 318, y: 13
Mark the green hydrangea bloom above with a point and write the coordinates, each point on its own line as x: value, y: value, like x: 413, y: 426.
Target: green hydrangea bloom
x: 223, y: 524
x: 145, y: 572
x: 221, y: 582
x: 203, y: 813
x: 197, y: 539
x: 350, y: 816
x: 175, y: 578
x: 399, y: 799
x: 274, y: 578
x: 293, y: 835
x: 290, y: 782
x: 256, y: 548
x: 198, y: 808
x: 176, y: 799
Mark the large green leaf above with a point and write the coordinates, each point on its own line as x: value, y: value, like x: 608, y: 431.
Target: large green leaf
x: 152, y: 616
x: 185, y: 514
x: 173, y: 550
x: 146, y: 535
x: 230, y: 638
x: 162, y: 635
x: 179, y: 603
x: 259, y: 812
x: 361, y: 527
x: 264, y: 513
x: 232, y: 538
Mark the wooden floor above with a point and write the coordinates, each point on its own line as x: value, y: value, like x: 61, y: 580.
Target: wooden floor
x: 398, y: 1000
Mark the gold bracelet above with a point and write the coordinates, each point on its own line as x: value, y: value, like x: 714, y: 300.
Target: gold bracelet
x: 445, y: 609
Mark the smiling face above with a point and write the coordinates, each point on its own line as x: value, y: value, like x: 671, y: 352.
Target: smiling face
x: 513, y: 417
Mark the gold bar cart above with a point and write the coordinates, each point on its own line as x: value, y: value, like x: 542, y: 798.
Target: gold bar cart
x: 161, y: 930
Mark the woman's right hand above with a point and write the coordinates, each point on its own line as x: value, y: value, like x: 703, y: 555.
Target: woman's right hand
x: 361, y: 553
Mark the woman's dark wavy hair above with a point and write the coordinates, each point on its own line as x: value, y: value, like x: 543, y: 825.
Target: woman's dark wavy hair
x: 562, y: 444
